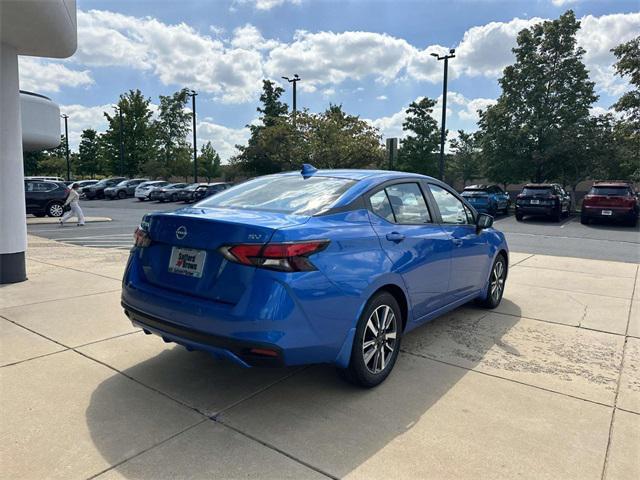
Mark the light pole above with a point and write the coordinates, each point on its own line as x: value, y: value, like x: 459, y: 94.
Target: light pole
x: 192, y: 94
x: 296, y: 78
x: 444, y: 106
x: 66, y: 141
x: 121, y: 139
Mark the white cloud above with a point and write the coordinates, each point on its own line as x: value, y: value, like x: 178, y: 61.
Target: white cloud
x: 471, y: 107
x: 381, y: 97
x: 82, y: 117
x: 598, y: 36
x: 249, y: 37
x: 560, y: 3
x: 223, y: 139
x: 331, y: 58
x: 265, y: 4
x: 328, y: 92
x: 486, y: 49
x: 177, y: 54
x: 43, y: 76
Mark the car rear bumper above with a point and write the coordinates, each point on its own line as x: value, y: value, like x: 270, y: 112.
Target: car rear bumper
x: 536, y: 209
x: 238, y: 351
x: 617, y: 213
x: 302, y: 326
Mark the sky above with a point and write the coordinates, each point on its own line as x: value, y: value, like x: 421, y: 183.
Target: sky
x: 373, y: 57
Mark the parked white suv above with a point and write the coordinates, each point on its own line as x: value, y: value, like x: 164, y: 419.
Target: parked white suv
x: 144, y: 189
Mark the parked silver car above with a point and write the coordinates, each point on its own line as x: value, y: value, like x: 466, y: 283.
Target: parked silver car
x: 143, y: 190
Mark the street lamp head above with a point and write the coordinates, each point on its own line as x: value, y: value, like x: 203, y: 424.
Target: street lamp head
x: 452, y: 51
x: 434, y: 55
x: 296, y: 76
x: 286, y: 78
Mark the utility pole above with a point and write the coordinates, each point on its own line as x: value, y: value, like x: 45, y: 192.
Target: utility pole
x: 296, y: 78
x: 121, y: 141
x: 66, y: 141
x: 444, y: 106
x: 192, y: 94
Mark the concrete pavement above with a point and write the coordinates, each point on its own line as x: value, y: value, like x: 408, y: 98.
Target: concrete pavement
x: 545, y: 386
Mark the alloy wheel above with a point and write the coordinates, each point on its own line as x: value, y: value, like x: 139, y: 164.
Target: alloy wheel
x: 379, y: 339
x: 496, y: 284
x: 56, y: 210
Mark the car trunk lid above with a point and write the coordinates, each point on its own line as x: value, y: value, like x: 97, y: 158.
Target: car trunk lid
x: 201, y: 232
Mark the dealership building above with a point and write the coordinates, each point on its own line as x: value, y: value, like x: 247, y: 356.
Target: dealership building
x: 28, y: 121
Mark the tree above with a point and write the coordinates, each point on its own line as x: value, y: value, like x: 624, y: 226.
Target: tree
x: 139, y: 136
x: 335, y: 139
x: 209, y: 161
x: 272, y: 108
x: 465, y: 163
x: 418, y: 150
x: 174, y: 124
x: 627, y: 129
x: 269, y: 148
x: 546, y: 96
x: 89, y: 159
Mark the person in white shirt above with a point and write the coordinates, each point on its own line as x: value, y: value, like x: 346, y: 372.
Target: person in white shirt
x: 72, y: 201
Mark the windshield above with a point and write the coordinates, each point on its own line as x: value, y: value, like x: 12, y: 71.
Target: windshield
x: 287, y: 194
x: 123, y: 183
x: 537, y: 191
x: 610, y: 191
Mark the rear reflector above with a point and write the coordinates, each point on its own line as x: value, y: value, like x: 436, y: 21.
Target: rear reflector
x: 285, y: 257
x: 263, y: 351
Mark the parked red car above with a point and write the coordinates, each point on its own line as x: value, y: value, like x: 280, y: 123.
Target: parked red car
x: 611, y: 200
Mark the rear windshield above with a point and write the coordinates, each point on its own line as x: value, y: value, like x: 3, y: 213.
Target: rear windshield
x: 620, y: 191
x: 537, y: 191
x: 286, y: 194
x: 473, y: 191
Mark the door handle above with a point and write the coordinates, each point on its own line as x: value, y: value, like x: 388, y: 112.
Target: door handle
x: 395, y: 237
x: 457, y: 242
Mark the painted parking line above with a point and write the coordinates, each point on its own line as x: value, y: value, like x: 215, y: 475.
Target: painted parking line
x: 58, y: 228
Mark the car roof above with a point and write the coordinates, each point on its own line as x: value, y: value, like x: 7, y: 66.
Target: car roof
x: 357, y: 174
x: 480, y: 186
x: 612, y: 183
x: 540, y: 185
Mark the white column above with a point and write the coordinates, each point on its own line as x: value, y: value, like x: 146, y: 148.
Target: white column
x: 13, y: 228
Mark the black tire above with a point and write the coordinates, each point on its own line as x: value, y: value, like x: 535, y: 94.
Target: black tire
x: 40, y: 214
x: 584, y: 220
x: 141, y: 199
x: 633, y: 222
x: 367, y: 372
x: 493, y: 296
x: 174, y: 197
x: 122, y: 194
x: 54, y: 209
x: 519, y: 217
x: 557, y: 216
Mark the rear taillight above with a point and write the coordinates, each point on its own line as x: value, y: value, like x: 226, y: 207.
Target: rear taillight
x: 141, y: 238
x: 285, y: 257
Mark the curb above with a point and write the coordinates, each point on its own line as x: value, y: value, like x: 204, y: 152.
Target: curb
x: 54, y: 220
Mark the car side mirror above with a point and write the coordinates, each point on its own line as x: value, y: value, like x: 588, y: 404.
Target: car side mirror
x: 483, y: 221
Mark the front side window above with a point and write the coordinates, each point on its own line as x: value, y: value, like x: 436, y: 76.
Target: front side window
x: 291, y: 194
x: 401, y: 203
x: 452, y: 210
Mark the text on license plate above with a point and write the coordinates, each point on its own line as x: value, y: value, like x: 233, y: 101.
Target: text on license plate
x: 535, y: 202
x: 606, y: 212
x: 187, y: 261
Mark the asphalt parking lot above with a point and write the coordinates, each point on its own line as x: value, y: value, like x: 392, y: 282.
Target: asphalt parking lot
x: 535, y: 235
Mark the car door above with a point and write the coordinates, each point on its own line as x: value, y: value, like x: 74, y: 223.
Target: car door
x: 501, y: 197
x: 470, y: 247
x: 419, y: 249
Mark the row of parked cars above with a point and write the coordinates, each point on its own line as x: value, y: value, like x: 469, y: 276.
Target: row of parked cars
x: 144, y: 189
x: 610, y: 200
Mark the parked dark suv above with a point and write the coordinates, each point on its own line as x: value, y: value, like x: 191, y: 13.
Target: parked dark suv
x: 616, y: 201
x: 548, y: 199
x: 45, y: 197
x: 97, y: 190
x: 204, y: 191
x: 124, y: 189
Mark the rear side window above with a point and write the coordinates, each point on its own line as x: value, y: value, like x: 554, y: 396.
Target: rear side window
x: 291, y: 194
x: 610, y: 191
x: 452, y: 210
x: 402, y: 203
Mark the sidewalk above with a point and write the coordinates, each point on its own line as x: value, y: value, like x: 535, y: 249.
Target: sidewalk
x: 546, y: 386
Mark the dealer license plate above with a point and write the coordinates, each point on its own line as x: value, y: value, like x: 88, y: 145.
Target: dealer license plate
x: 606, y: 213
x: 187, y: 261
x: 535, y: 202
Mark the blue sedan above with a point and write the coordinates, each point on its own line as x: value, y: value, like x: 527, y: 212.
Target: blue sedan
x: 487, y: 198
x: 318, y: 266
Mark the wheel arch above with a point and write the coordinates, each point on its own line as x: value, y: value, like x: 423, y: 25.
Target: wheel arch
x: 398, y: 293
